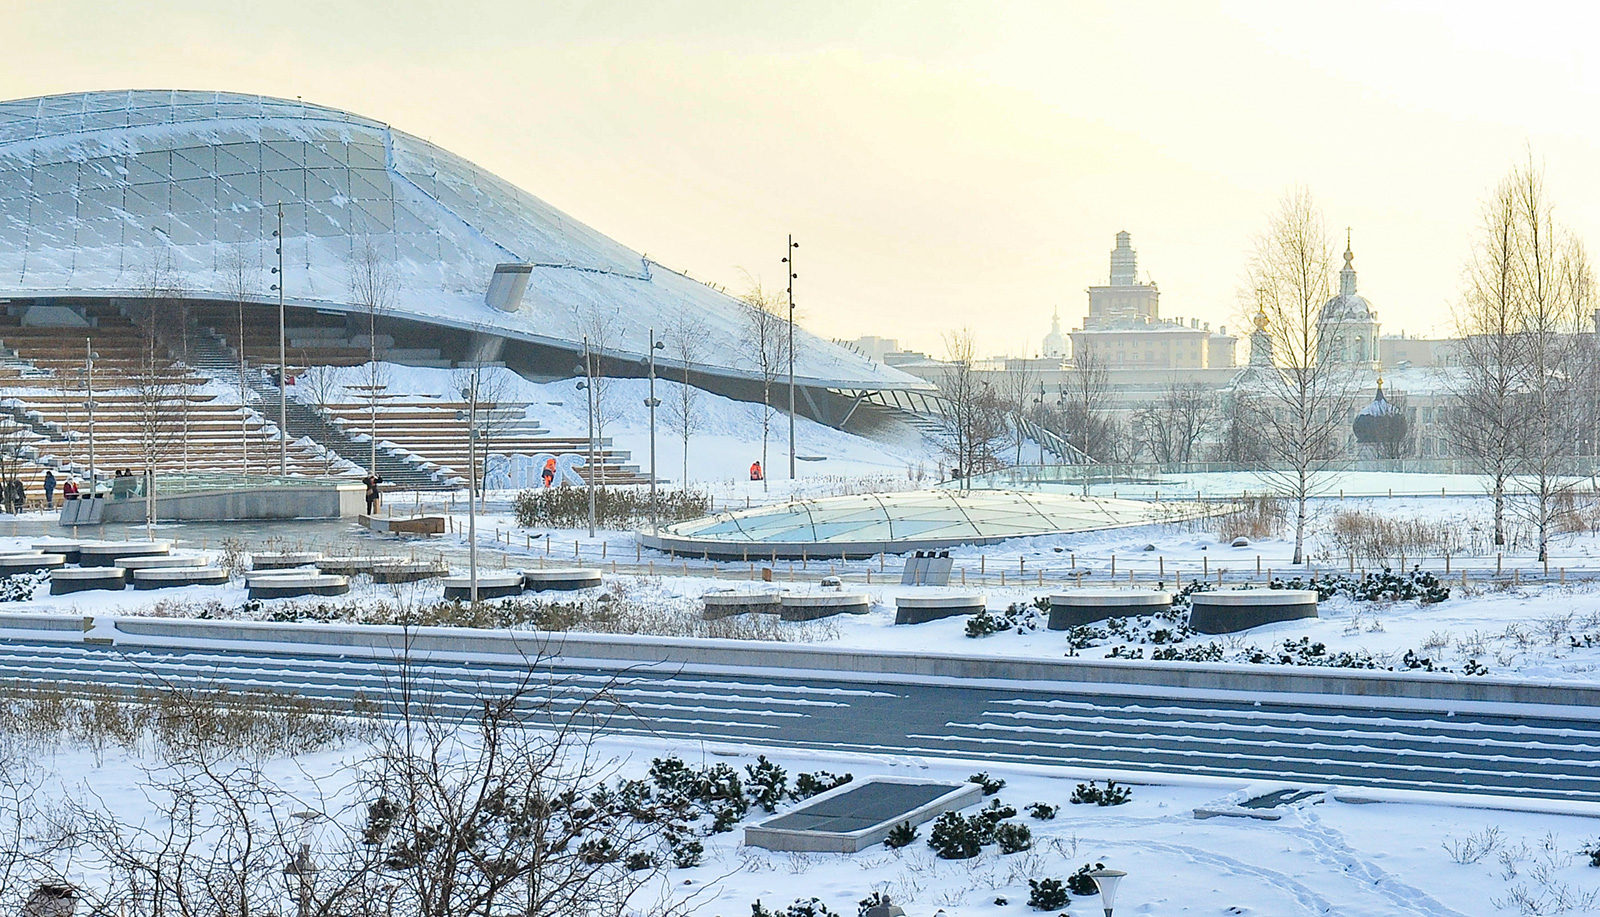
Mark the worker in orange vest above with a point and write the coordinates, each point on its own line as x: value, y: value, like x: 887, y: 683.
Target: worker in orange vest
x: 755, y: 471
x: 549, y: 473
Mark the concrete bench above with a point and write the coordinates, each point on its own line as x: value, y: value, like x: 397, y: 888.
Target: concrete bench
x: 283, y: 560
x: 30, y: 562
x: 812, y: 606
x: 1230, y: 610
x: 1086, y: 606
x: 490, y: 586
x: 83, y: 579
x: 407, y: 571
x: 350, y: 566
x: 920, y: 609
x: 106, y: 553
x: 159, y: 561
x: 161, y: 578
x: 294, y: 585
x: 720, y: 605
x: 560, y: 579
x: 66, y: 547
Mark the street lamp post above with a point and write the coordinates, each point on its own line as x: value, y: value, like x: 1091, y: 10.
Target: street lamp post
x: 301, y: 869
x: 283, y: 356
x: 1106, y: 881
x: 88, y: 381
x: 652, y: 403
x: 587, y: 386
x: 472, y: 487
x: 788, y: 261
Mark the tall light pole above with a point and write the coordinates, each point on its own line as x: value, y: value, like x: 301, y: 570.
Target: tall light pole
x: 788, y: 261
x: 472, y: 485
x: 588, y: 388
x: 283, y: 356
x: 88, y: 381
x: 652, y: 403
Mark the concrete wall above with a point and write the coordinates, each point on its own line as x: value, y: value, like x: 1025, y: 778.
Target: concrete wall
x: 1375, y: 687
x: 314, y: 501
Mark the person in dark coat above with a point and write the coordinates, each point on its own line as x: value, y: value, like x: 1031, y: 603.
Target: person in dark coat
x: 15, y: 495
x: 49, y: 489
x: 372, y: 481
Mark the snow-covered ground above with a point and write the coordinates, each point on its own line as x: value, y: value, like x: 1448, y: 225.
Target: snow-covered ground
x: 1330, y: 854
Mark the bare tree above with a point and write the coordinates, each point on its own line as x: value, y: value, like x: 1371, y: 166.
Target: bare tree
x: 1555, y: 293
x: 1300, y: 405
x: 490, y: 411
x: 974, y: 418
x: 241, y: 278
x: 1021, y: 390
x: 685, y: 343
x: 323, y: 386
x: 767, y: 336
x: 1080, y: 414
x: 601, y: 326
x: 160, y: 408
x: 1170, y: 428
x: 372, y: 286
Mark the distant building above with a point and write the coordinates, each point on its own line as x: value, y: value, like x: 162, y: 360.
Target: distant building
x: 875, y: 348
x: 1055, y: 343
x: 1347, y: 326
x: 1124, y: 329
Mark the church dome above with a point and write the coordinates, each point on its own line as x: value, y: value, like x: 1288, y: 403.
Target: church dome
x: 1349, y: 306
x: 1382, y: 422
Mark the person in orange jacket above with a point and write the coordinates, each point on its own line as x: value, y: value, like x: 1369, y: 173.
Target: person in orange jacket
x: 755, y: 471
x: 549, y: 473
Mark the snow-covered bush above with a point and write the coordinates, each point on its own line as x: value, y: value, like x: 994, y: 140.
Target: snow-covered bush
x: 1011, y: 837
x: 1047, y: 895
x: 1043, y: 811
x: 955, y: 837
x: 1081, y: 883
x: 990, y: 785
x: 900, y: 835
x: 1092, y: 793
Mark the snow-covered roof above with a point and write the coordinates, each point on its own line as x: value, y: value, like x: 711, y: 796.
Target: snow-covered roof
x: 94, y: 186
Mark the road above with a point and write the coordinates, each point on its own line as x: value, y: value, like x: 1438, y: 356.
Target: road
x: 1530, y: 752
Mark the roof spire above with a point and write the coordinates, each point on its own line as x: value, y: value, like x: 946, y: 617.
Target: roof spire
x: 1347, y: 276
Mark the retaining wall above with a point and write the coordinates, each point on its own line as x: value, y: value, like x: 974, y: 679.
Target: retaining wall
x: 627, y: 649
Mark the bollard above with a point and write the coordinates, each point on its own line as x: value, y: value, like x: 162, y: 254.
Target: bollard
x: 637, y: 552
x: 1161, y: 567
x: 1002, y: 577
x: 1563, y: 576
x: 869, y: 576
x: 1205, y: 565
x: 1041, y: 579
x: 652, y: 566
x: 1130, y: 577
x: 1022, y: 565
x: 547, y: 545
x: 963, y: 576
x: 1219, y: 579
x: 1497, y: 559
x: 1447, y: 565
x: 981, y: 563
x: 1113, y: 565
x: 1516, y: 577
x: 603, y: 546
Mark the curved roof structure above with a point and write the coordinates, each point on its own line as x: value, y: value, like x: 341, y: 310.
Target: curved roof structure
x: 94, y: 187
x: 866, y: 524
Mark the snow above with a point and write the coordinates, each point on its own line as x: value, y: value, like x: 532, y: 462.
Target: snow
x: 1329, y: 854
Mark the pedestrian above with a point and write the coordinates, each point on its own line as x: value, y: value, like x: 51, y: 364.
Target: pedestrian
x: 69, y: 490
x: 372, y: 481
x: 49, y: 489
x: 549, y: 473
x: 14, y: 496
x: 21, y: 493
x: 755, y: 471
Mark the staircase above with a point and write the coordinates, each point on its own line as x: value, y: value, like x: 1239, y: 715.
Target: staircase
x: 209, y: 354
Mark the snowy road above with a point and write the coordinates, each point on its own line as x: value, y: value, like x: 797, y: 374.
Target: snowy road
x: 1524, y: 753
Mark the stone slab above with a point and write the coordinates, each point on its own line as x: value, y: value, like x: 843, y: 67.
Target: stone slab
x: 160, y: 561
x: 165, y: 577
x: 106, y: 553
x: 1086, y: 606
x: 1229, y: 611
x: 490, y: 586
x: 718, y: 605
x: 84, y: 579
x: 283, y: 560
x: 920, y: 609
x: 407, y: 571
x: 810, y: 607
x: 860, y: 814
x: 30, y: 561
x: 294, y: 585
x: 560, y: 579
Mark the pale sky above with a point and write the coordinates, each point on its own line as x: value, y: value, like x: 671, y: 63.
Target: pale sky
x: 941, y: 164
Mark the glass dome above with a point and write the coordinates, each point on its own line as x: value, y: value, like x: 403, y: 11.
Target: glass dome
x: 865, y: 524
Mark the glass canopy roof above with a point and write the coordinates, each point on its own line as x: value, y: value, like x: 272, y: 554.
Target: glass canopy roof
x: 865, y: 524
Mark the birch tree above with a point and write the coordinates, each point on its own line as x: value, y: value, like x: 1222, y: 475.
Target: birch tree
x: 767, y: 337
x: 1301, y: 405
x: 685, y: 344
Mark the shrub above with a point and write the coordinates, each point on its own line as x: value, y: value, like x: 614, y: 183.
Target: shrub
x: 991, y: 785
x: 20, y: 587
x: 615, y: 507
x: 1011, y: 837
x: 766, y: 783
x: 900, y: 835
x: 641, y: 859
x: 1043, y: 811
x: 808, y: 785
x: 1111, y: 795
x: 955, y: 837
x: 687, y: 852
x: 991, y: 816
x: 1080, y: 882
x: 800, y: 908
x: 1047, y: 895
